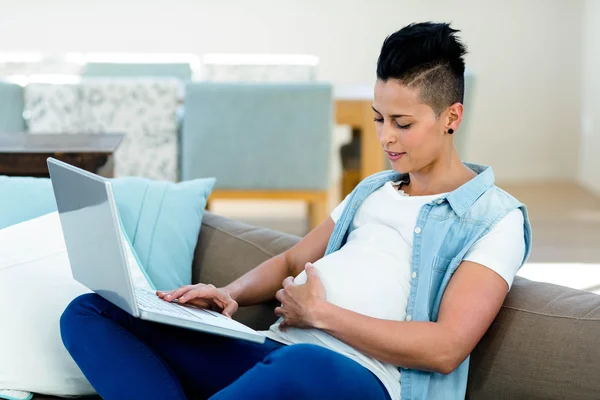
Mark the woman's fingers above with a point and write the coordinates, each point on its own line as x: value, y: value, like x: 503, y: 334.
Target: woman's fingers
x: 279, y: 311
x: 177, y: 293
x: 279, y: 295
x: 283, y: 325
x: 231, y: 308
x: 223, y: 300
x: 204, y: 296
x: 198, y: 292
x: 288, y: 281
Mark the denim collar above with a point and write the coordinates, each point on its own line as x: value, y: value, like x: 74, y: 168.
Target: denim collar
x: 465, y: 196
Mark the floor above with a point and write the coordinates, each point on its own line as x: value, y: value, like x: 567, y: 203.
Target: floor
x: 565, y: 220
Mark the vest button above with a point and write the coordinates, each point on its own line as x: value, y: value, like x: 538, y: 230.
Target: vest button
x: 409, y: 317
x: 417, y: 230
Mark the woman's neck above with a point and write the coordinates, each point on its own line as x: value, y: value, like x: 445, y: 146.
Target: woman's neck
x: 439, y: 177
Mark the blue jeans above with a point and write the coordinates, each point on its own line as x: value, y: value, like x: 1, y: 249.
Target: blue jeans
x: 127, y: 358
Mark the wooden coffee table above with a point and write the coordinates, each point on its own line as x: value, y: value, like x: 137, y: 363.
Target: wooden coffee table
x: 24, y: 154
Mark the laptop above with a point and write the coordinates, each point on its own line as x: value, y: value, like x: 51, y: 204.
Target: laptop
x: 97, y: 252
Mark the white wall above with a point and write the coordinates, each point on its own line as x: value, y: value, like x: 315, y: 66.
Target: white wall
x: 589, y: 165
x: 526, y: 54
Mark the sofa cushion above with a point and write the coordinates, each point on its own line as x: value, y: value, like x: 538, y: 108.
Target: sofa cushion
x: 24, y: 198
x: 161, y: 219
x: 32, y: 356
x: 542, y: 345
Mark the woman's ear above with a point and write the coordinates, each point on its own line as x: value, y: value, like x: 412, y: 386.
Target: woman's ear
x: 454, y: 116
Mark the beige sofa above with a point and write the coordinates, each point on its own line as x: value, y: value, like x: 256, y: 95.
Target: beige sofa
x: 544, y: 344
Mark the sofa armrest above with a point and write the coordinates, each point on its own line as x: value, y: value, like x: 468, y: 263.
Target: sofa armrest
x: 227, y: 249
x: 542, y: 345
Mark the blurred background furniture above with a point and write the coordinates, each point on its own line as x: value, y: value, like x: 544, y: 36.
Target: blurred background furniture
x: 363, y: 155
x: 144, y: 109
x: 131, y: 65
x: 23, y: 154
x: 26, y: 67
x: 12, y: 103
x: 261, y: 140
x: 53, y: 107
x: 142, y: 96
x: 277, y: 68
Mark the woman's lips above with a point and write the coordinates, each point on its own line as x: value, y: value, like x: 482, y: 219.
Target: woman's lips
x: 395, y: 156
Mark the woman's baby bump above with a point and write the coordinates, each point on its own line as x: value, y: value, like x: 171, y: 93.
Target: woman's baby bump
x: 365, y: 280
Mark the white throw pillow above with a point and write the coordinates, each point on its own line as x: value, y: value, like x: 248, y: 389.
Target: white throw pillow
x: 36, y: 285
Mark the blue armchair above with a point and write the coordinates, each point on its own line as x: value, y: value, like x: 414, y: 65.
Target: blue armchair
x: 261, y: 141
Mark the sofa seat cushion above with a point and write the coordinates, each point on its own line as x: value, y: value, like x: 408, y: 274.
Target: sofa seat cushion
x: 542, y: 345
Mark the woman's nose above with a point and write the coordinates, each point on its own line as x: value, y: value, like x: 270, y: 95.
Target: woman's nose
x: 387, y: 136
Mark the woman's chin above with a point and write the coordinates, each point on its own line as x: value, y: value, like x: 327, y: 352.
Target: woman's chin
x: 400, y: 168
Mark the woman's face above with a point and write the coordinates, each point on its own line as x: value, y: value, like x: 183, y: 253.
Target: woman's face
x: 408, y: 129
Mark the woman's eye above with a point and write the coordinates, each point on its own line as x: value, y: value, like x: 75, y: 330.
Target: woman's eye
x: 403, y: 126
x: 378, y: 119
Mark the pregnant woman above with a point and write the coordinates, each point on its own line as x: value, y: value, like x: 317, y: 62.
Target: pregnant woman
x: 385, y: 299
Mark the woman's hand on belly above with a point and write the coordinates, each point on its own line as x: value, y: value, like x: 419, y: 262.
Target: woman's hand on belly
x: 299, y: 303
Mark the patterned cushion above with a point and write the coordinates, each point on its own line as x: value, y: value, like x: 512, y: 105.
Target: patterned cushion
x: 143, y: 109
x: 146, y: 111
x: 53, y: 108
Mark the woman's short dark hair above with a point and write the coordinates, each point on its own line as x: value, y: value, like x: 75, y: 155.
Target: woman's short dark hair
x: 428, y: 56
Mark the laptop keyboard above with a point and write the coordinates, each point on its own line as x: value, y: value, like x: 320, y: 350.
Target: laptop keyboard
x: 148, y: 301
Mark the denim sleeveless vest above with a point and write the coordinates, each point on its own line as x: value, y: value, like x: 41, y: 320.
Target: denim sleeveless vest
x: 446, y: 229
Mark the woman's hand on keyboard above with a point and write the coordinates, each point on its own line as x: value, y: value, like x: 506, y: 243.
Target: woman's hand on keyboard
x: 202, y: 296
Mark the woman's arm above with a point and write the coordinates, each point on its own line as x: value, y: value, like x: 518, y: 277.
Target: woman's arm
x: 261, y: 283
x: 470, y: 304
